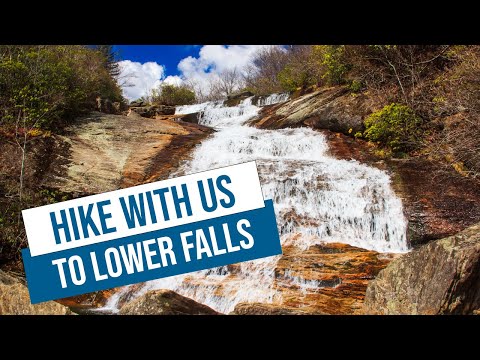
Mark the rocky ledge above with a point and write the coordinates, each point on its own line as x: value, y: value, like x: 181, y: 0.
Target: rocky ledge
x: 104, y: 152
x: 324, y: 279
x: 335, y: 109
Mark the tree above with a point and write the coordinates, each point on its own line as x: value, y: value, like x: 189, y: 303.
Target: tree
x: 43, y: 84
x: 404, y: 66
x: 109, y: 56
x: 262, y: 74
x: 226, y: 83
x: 167, y: 94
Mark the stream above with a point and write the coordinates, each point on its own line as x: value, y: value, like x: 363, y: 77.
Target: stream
x: 315, y: 195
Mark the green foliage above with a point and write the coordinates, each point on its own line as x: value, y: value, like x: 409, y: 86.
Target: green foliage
x: 395, y: 126
x: 331, y: 58
x: 42, y: 84
x: 356, y: 86
x: 173, y: 95
x: 291, y: 81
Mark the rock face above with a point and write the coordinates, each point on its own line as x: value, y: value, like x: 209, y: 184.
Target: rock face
x: 333, y: 109
x: 165, y: 302
x: 153, y: 110
x: 442, y: 277
x: 15, y: 300
x: 106, y: 152
x: 438, y: 201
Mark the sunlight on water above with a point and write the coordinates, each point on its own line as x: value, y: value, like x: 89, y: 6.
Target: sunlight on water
x: 314, y: 194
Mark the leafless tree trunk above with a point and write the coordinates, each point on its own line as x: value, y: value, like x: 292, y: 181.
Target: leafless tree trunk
x: 227, y: 83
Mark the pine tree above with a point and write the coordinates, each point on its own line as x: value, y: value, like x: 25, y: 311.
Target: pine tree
x: 110, y: 63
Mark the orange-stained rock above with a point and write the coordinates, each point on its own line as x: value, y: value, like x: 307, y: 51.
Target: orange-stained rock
x: 330, y: 278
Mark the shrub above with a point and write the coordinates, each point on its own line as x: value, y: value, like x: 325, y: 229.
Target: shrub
x: 395, y: 126
x: 173, y: 95
x: 332, y: 62
x: 355, y: 86
x: 289, y: 80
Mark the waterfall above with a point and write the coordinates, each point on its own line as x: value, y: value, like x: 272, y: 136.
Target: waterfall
x: 315, y: 195
x: 272, y: 99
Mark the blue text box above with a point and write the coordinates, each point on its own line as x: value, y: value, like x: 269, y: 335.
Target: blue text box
x: 44, y: 280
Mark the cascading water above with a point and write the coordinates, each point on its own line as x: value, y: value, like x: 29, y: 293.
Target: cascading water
x: 316, y: 195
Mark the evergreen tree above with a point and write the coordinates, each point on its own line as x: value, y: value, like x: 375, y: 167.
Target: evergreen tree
x: 110, y: 63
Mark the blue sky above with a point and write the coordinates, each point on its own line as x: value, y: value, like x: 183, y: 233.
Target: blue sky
x: 167, y: 55
x: 144, y: 67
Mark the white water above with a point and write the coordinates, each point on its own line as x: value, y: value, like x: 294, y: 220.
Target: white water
x: 323, y: 198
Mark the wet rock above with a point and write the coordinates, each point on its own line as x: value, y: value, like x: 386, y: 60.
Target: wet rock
x: 330, y: 278
x: 15, y: 300
x: 441, y: 277
x: 90, y: 300
x: 165, y: 302
x: 438, y: 202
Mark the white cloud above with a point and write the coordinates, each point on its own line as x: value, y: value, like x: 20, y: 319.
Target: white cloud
x: 173, y: 80
x: 201, y: 70
x: 138, y: 79
x: 213, y: 59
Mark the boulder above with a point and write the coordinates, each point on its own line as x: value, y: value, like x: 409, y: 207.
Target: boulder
x: 334, y: 109
x: 442, y: 277
x: 153, y: 110
x: 107, y: 106
x: 137, y: 103
x: 144, y: 111
x: 165, y: 110
x: 15, y: 300
x: 241, y: 94
x: 165, y: 302
x: 235, y: 99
